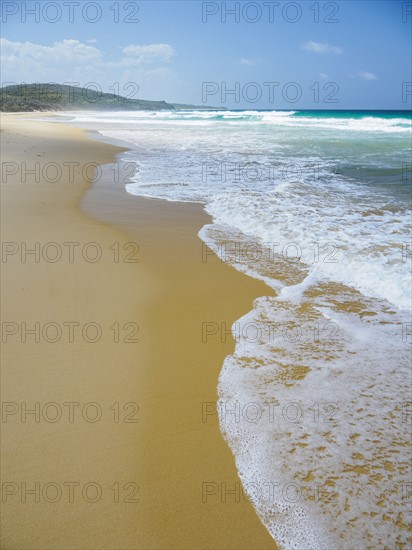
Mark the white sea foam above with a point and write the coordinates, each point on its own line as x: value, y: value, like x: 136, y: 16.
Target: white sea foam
x: 323, y: 423
x: 279, y: 118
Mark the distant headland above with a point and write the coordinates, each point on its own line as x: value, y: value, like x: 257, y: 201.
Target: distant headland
x: 63, y: 97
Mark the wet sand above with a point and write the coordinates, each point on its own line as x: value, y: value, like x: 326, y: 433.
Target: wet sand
x: 171, y: 453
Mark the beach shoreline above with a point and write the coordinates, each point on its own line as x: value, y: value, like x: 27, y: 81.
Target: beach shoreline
x: 189, y: 494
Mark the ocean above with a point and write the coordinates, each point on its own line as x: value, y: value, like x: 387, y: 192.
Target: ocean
x: 315, y: 401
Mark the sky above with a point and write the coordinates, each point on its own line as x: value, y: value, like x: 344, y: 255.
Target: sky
x: 242, y: 55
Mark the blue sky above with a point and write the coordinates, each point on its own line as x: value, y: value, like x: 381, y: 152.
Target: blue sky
x: 271, y: 54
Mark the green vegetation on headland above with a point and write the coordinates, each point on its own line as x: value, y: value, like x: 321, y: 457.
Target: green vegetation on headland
x: 187, y: 107
x: 63, y: 97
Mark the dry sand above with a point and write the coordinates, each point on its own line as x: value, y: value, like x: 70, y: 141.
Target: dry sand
x: 170, y: 453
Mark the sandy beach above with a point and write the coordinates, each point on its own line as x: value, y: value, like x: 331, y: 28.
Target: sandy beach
x: 116, y: 362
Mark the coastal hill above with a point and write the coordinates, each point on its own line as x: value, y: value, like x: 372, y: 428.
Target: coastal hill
x: 188, y: 107
x: 62, y: 97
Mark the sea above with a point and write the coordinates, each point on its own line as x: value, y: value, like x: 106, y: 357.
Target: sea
x: 315, y: 402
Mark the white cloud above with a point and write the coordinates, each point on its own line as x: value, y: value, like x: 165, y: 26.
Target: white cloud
x: 319, y: 47
x: 248, y: 62
x: 66, y: 50
x: 366, y: 75
x: 147, y: 54
x: 324, y: 76
x: 70, y: 61
x: 71, y: 51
